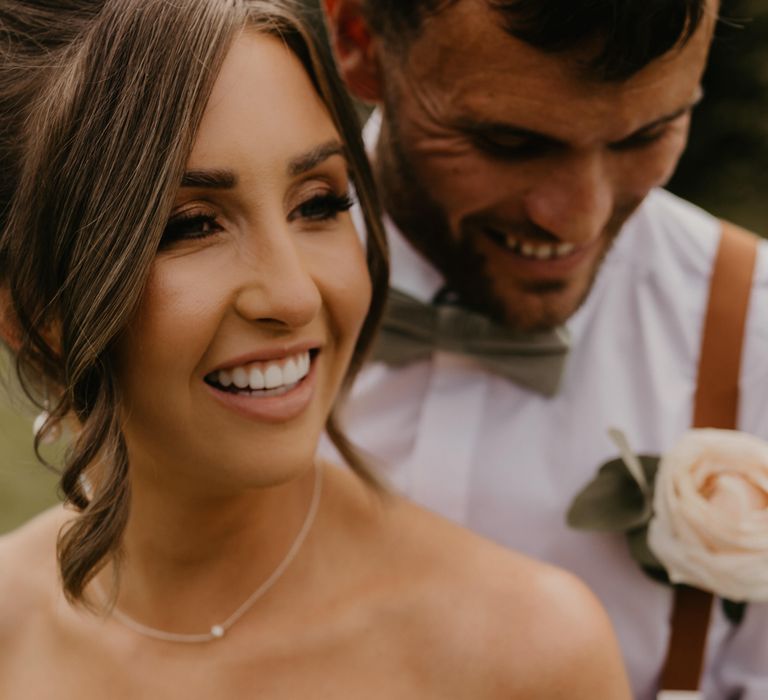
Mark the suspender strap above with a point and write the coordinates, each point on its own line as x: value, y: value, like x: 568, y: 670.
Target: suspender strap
x: 715, y: 406
x: 717, y: 394
x: 687, y: 644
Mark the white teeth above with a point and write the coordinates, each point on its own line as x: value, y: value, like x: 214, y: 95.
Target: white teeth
x: 530, y: 249
x: 240, y: 377
x: 290, y: 373
x: 543, y: 251
x: 303, y: 359
x: 273, y: 377
x: 261, y: 376
x: 256, y: 378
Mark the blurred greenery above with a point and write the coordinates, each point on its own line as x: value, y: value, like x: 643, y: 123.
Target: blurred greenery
x: 26, y: 486
x: 725, y: 170
x: 725, y: 167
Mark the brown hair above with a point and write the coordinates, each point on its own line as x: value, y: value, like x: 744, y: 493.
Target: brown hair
x: 99, y: 105
x: 630, y: 34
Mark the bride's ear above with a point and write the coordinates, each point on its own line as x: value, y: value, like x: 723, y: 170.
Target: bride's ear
x: 355, y: 48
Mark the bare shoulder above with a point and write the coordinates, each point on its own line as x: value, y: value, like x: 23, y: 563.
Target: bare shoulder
x: 510, y: 626
x: 563, y: 643
x: 28, y: 572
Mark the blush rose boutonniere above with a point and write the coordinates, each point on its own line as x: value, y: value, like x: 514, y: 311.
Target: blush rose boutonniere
x: 698, y: 515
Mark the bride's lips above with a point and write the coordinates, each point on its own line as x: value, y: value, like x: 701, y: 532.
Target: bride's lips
x: 279, y: 397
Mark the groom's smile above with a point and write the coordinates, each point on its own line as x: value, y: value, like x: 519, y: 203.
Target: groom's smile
x: 529, y: 160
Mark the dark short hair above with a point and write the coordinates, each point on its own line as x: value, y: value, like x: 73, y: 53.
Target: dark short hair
x: 631, y: 33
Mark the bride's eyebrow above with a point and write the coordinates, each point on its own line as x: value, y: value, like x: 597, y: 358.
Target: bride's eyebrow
x: 304, y: 162
x: 298, y: 165
x: 209, y: 179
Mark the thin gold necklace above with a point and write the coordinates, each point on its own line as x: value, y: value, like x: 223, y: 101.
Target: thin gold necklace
x: 219, y: 630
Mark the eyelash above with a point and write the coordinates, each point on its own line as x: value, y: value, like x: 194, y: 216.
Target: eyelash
x: 197, y: 224
x: 189, y: 225
x: 640, y: 141
x: 522, y: 149
x: 529, y: 149
x: 322, y: 207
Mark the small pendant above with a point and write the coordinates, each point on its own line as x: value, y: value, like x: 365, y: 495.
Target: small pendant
x: 217, y: 631
x: 52, y: 435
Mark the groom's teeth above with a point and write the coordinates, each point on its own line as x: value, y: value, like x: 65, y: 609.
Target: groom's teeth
x: 544, y: 251
x: 530, y: 249
x: 225, y: 378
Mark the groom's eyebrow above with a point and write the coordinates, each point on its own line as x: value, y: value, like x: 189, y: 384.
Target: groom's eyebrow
x: 531, y: 139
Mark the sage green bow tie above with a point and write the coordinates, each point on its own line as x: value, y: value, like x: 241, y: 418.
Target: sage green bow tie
x: 411, y: 330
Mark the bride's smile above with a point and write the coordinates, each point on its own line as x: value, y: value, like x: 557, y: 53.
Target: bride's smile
x: 182, y: 256
x: 259, y: 290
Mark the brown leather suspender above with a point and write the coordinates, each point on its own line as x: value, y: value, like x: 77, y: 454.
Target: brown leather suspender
x: 717, y: 394
x: 715, y: 406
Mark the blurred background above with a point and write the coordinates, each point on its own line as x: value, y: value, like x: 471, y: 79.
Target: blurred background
x: 26, y: 486
x: 724, y: 170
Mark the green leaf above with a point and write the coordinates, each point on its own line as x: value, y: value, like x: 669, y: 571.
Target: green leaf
x: 637, y: 540
x: 613, y: 501
x: 734, y: 611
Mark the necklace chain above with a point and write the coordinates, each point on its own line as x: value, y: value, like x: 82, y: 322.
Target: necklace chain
x: 219, y: 630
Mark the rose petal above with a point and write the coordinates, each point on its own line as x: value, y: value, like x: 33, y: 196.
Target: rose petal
x: 710, y: 524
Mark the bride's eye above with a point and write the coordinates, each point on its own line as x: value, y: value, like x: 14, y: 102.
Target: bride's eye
x: 322, y: 207
x: 192, y: 224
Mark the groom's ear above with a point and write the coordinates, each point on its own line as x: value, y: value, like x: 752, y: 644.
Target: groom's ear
x: 355, y: 48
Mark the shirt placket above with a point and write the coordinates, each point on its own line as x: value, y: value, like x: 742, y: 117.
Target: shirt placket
x: 445, y: 448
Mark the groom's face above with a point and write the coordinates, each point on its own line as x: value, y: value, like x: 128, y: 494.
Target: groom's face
x: 514, y: 169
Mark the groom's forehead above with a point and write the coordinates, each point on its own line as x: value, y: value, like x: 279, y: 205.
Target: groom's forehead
x: 613, y: 39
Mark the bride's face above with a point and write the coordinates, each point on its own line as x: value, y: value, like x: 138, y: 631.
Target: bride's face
x: 258, y: 292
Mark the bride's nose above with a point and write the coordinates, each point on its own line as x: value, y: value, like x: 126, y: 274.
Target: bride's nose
x: 277, y: 285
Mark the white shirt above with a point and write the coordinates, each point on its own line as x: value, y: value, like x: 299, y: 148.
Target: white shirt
x: 506, y: 462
